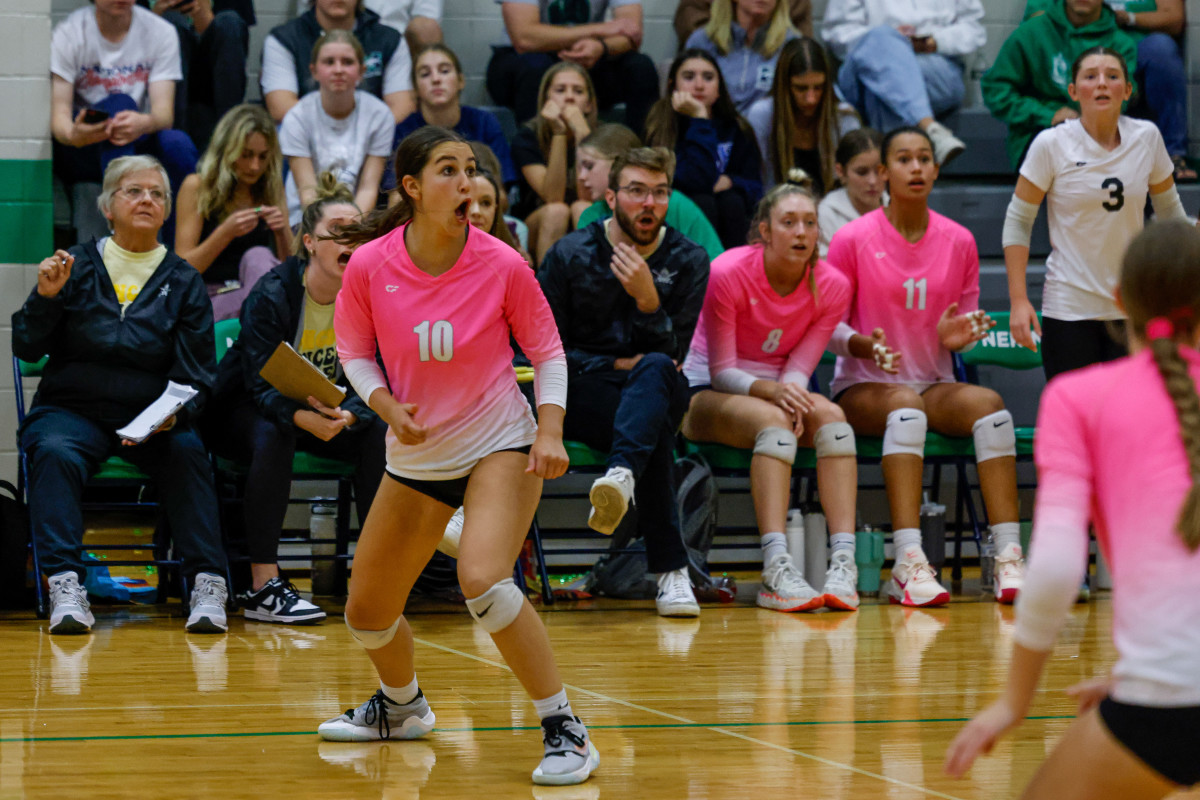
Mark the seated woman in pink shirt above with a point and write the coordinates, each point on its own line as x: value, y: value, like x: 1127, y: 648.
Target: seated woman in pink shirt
x: 439, y: 301
x: 1118, y: 447
x: 919, y: 302
x: 768, y: 314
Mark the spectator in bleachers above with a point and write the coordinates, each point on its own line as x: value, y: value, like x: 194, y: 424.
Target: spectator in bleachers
x: 902, y: 63
x: 486, y: 160
x: 719, y: 166
x: 96, y: 381
x: 595, y: 159
x: 214, y: 40
x: 232, y: 217
x: 797, y: 124
x: 419, y: 20
x: 338, y: 129
x: 745, y: 39
x: 692, y: 15
x: 541, y: 33
x: 487, y: 210
x: 860, y: 183
x: 769, y: 312
x: 626, y: 293
x: 914, y: 280
x: 544, y: 153
x: 113, y: 72
x: 287, y: 56
x: 250, y: 421
x: 440, y: 81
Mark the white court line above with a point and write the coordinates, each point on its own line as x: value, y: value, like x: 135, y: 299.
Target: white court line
x: 714, y: 729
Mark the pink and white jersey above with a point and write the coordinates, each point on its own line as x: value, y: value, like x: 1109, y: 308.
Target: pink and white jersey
x: 904, y: 288
x: 445, y: 346
x: 745, y: 325
x: 1108, y: 451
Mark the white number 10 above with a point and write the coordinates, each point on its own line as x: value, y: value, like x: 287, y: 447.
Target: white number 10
x: 912, y: 287
x: 443, y: 340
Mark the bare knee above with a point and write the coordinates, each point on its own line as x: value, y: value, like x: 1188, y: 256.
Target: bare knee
x: 825, y: 413
x: 475, y: 577
x: 370, y: 615
x: 772, y: 416
x: 904, y: 397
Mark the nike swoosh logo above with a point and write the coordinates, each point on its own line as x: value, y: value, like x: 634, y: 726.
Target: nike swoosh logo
x: 782, y: 444
x: 998, y: 424
x: 483, y: 613
x: 839, y: 438
x: 907, y: 419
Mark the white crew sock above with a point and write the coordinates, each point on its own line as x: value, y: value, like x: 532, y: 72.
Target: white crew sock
x: 841, y: 541
x: 907, y: 543
x: 773, y: 546
x: 1006, y: 533
x: 554, y: 706
x: 401, y: 695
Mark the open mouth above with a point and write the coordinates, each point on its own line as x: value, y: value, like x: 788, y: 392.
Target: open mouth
x: 460, y: 211
x: 343, y: 258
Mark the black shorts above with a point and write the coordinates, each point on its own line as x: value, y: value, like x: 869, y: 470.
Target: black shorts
x: 451, y: 492
x: 695, y: 390
x: 1164, y: 739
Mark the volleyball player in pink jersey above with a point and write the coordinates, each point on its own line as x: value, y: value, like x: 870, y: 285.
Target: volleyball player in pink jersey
x: 769, y: 311
x: 1118, y: 446
x: 440, y: 300
x: 914, y: 275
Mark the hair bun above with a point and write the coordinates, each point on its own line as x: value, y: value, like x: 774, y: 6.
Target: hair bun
x: 798, y: 177
x: 330, y: 188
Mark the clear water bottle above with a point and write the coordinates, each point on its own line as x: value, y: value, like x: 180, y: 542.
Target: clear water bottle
x: 322, y: 531
x: 816, y: 547
x: 987, y: 563
x: 795, y: 537
x: 933, y: 533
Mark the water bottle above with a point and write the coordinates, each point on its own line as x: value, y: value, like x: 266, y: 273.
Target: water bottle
x: 816, y: 547
x: 795, y: 537
x: 322, y: 531
x: 868, y: 555
x: 1103, y: 576
x: 987, y: 563
x: 933, y: 533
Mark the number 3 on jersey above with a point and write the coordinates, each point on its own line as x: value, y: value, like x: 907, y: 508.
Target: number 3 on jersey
x: 1116, y: 194
x: 442, y: 340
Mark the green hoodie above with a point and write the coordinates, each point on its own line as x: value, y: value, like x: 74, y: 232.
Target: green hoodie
x: 1028, y: 82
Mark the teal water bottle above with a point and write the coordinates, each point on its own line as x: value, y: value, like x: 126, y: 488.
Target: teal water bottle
x: 868, y: 555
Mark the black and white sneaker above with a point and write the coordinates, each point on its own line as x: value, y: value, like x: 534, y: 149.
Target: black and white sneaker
x: 278, y: 601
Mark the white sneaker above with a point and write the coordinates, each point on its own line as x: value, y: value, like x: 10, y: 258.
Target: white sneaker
x: 1010, y: 574
x: 913, y: 584
x: 841, y: 581
x: 675, y: 597
x: 570, y: 757
x: 380, y: 718
x: 784, y: 588
x: 70, y: 611
x: 453, y: 534
x: 209, y: 597
x: 946, y: 146
x: 610, y: 496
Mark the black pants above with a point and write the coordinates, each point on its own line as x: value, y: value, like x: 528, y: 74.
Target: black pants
x: 630, y: 78
x: 1074, y: 345
x: 634, y: 415
x: 729, y: 214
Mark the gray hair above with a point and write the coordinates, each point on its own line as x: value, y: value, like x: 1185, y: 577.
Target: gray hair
x: 118, y: 168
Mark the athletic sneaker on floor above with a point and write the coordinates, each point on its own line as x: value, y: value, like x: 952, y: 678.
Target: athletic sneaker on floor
x: 784, y: 588
x: 675, y: 596
x: 841, y: 581
x: 1010, y: 574
x: 611, y: 495
x: 209, y: 597
x: 70, y: 611
x: 570, y: 755
x: 380, y: 718
x: 278, y: 601
x: 914, y: 584
x: 946, y: 146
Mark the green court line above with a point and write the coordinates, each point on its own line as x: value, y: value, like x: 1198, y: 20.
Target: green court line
x: 512, y: 728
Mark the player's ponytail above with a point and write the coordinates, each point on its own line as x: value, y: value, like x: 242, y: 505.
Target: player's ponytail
x: 329, y: 192
x: 1161, y: 293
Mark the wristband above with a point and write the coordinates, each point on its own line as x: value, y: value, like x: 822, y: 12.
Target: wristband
x: 1132, y: 23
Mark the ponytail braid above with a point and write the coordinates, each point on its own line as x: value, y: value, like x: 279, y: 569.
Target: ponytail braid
x: 1182, y: 390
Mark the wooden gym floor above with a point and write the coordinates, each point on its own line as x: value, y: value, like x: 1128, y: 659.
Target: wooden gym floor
x: 741, y: 701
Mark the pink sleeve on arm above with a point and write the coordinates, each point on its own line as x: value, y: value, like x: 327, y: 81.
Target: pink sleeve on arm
x: 352, y: 319
x: 833, y: 301
x: 969, y: 257
x: 720, y: 328
x: 529, y: 316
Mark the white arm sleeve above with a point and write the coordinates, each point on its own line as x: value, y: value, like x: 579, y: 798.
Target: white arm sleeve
x: 550, y: 382
x: 1018, y: 223
x: 278, y: 68
x: 1167, y: 205
x: 797, y: 377
x: 840, y: 342
x: 365, y: 376
x: 733, y: 381
x: 1057, y: 561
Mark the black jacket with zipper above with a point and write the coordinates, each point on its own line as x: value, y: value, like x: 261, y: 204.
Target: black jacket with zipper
x: 108, y: 363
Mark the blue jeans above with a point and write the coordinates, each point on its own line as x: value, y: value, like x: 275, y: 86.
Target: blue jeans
x: 64, y: 449
x: 893, y: 86
x: 1162, y: 85
x: 634, y: 415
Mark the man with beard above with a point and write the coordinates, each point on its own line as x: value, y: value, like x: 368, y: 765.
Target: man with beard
x: 626, y: 294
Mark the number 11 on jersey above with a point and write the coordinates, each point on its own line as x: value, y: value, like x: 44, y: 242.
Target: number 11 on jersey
x: 442, y: 340
x: 917, y: 288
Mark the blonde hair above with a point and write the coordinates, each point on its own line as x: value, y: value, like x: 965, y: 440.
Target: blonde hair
x: 720, y: 32
x: 539, y: 125
x: 338, y: 36
x: 217, y: 178
x: 329, y: 192
x: 797, y: 184
x: 800, y: 56
x: 1159, y: 284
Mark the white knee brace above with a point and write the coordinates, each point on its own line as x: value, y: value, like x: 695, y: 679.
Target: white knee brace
x: 994, y: 436
x: 777, y: 443
x: 373, y: 640
x: 834, y: 439
x: 905, y: 432
x: 498, y: 607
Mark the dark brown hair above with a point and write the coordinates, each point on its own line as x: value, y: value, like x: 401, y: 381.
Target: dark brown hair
x: 662, y: 123
x: 800, y: 56
x: 653, y: 159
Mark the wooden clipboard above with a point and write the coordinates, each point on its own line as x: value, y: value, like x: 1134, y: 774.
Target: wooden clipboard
x: 296, y: 378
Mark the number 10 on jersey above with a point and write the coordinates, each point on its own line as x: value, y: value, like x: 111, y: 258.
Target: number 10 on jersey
x: 440, y: 343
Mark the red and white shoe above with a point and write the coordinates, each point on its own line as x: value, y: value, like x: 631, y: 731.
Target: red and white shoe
x: 784, y: 588
x: 913, y: 584
x: 1010, y: 574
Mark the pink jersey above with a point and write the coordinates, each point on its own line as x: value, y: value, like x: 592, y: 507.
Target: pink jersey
x: 445, y: 346
x: 904, y: 288
x: 1108, y: 451
x: 755, y: 330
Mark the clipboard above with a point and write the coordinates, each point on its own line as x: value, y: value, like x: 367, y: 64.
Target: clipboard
x: 295, y: 377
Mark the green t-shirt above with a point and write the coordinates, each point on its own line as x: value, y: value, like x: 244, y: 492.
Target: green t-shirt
x: 682, y: 214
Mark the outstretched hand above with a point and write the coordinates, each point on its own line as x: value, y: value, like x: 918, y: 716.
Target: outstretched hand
x: 956, y: 331
x: 885, y: 357
x: 979, y: 736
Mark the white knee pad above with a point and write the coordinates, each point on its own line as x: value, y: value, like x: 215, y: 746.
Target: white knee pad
x: 373, y: 640
x: 498, y: 607
x: 995, y: 436
x: 905, y: 432
x: 834, y: 439
x: 777, y: 443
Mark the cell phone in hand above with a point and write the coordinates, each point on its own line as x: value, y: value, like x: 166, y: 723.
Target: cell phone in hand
x: 93, y: 115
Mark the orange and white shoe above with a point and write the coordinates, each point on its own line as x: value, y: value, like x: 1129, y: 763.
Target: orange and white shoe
x: 784, y: 588
x: 1010, y: 574
x: 841, y: 582
x: 913, y: 584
